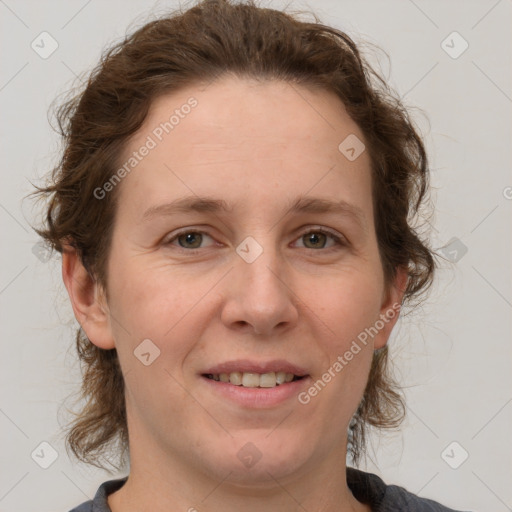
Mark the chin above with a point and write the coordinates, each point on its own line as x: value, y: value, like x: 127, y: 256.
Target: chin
x: 260, y: 460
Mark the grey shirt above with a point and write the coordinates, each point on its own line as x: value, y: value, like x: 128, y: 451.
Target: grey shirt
x: 366, y: 488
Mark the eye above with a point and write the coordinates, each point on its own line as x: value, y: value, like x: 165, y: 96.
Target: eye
x: 188, y: 239
x: 316, y: 238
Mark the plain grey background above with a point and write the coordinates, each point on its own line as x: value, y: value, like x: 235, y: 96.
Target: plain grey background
x: 453, y: 356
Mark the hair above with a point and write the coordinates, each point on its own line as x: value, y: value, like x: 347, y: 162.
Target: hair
x: 209, y: 40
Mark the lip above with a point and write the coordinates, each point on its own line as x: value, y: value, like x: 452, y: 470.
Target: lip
x: 247, y: 366
x: 256, y: 398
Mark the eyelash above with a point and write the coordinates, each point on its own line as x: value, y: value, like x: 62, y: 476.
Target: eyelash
x: 340, y: 242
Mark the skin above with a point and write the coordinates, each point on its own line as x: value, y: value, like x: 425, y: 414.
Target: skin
x: 258, y: 146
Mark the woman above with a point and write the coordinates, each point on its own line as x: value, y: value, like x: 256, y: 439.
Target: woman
x: 232, y: 207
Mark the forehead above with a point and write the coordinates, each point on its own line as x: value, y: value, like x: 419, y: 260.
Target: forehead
x: 238, y: 108
x: 241, y: 139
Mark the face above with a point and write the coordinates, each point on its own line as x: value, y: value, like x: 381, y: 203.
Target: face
x: 267, y: 263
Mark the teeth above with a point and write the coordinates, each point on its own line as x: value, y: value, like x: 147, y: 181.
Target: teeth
x: 268, y: 380
x: 254, y: 380
x: 235, y: 378
x: 281, y: 377
x: 250, y: 380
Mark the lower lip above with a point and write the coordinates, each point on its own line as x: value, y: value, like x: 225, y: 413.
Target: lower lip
x: 257, y: 397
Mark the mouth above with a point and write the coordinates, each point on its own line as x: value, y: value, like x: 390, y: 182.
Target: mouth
x: 255, y: 384
x: 254, y: 380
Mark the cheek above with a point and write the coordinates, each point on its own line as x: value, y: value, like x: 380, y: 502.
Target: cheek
x: 153, y: 296
x: 348, y: 350
x: 151, y: 304
x: 347, y: 306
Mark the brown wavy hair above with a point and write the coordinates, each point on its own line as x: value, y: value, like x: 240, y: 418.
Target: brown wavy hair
x: 198, y: 45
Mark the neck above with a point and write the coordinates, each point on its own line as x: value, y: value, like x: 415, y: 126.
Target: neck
x: 173, y: 485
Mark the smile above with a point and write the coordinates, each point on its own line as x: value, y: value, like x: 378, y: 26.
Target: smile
x: 254, y: 380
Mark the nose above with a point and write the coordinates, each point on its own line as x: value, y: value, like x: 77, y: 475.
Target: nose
x: 259, y: 297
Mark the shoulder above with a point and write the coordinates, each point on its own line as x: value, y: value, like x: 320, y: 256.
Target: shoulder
x: 366, y: 487
x: 84, y: 507
x: 100, y: 503
x: 371, y: 489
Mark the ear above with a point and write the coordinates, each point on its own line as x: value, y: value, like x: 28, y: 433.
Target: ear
x: 87, y: 299
x: 390, y: 308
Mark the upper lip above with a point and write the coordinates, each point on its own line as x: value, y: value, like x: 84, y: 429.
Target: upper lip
x: 248, y: 366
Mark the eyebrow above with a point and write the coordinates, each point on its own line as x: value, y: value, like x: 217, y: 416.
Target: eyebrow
x: 302, y: 204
